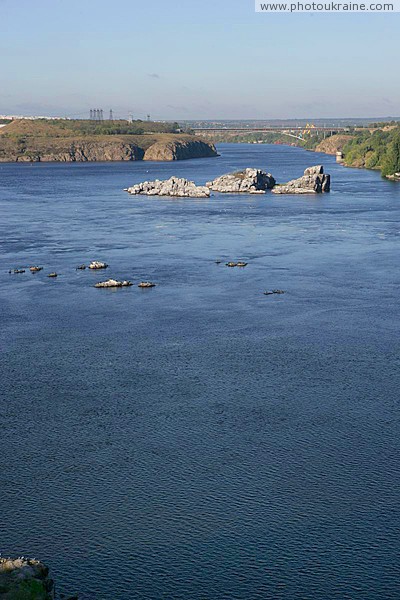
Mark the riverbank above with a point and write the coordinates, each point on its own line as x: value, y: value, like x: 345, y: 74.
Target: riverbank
x: 86, y: 141
x: 377, y: 147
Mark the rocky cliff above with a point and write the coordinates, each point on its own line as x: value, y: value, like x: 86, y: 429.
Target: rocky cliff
x: 333, y: 144
x: 180, y: 150
x: 50, y: 147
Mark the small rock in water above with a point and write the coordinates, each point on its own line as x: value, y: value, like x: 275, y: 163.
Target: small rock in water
x: 96, y: 264
x: 16, y: 271
x: 35, y: 269
x: 146, y: 284
x: 52, y: 275
x: 240, y: 263
x: 81, y: 268
x: 113, y: 283
x: 271, y: 292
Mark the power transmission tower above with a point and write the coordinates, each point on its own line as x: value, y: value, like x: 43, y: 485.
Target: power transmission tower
x: 91, y: 114
x: 111, y: 115
x: 148, y: 117
x: 101, y: 114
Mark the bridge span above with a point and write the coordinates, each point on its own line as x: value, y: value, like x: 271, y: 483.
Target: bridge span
x: 296, y: 132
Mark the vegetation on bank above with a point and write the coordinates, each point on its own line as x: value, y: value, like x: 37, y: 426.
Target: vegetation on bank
x: 375, y: 147
x: 56, y: 128
x: 377, y: 150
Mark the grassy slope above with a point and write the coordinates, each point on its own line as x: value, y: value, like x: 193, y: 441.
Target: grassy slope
x: 66, y: 128
x: 41, y: 136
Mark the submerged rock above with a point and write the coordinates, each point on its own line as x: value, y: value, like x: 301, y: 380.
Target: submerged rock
x: 81, y: 268
x: 314, y: 181
x: 52, y: 275
x: 271, y: 292
x: 96, y: 264
x: 146, y: 284
x: 25, y: 578
x: 113, y: 283
x: 16, y: 271
x: 174, y: 186
x: 394, y: 177
x: 250, y: 181
x: 240, y: 263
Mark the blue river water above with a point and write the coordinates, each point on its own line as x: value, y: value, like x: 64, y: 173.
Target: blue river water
x: 200, y: 440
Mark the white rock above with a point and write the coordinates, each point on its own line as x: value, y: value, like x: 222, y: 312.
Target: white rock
x: 314, y: 181
x: 249, y: 181
x: 175, y: 186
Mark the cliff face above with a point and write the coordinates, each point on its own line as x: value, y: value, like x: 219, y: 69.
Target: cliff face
x: 180, y: 150
x: 75, y: 151
x: 333, y: 144
x: 50, y: 148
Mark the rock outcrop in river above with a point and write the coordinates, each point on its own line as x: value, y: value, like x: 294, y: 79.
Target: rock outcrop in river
x: 177, y: 150
x: 249, y: 181
x: 25, y: 578
x: 314, y: 181
x: 180, y: 188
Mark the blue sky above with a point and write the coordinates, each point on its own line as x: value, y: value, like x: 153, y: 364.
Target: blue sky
x: 195, y: 59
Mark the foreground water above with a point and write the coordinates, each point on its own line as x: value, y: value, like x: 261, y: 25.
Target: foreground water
x: 201, y: 440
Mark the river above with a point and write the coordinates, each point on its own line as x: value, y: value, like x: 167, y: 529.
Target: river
x: 200, y: 440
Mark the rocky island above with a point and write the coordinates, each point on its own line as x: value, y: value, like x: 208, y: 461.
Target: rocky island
x: 67, y: 140
x: 248, y: 181
x: 175, y: 186
x: 314, y: 181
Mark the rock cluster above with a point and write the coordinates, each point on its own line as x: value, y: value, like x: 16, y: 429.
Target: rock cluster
x: 113, y: 283
x: 314, y: 181
x: 181, y: 188
x: 25, y: 578
x: 249, y: 181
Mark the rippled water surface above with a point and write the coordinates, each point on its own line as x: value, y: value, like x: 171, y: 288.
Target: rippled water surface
x: 201, y: 440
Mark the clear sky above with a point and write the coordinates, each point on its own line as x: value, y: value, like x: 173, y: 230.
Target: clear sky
x: 182, y: 59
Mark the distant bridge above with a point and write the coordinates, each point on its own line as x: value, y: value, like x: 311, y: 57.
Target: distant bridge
x: 296, y: 132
